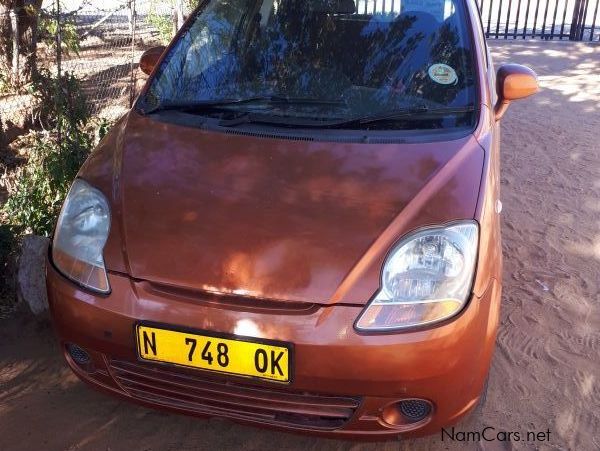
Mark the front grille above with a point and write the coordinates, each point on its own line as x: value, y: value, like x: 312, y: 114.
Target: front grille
x: 195, y: 393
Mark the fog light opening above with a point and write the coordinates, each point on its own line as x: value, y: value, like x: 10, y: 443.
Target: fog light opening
x: 415, y: 409
x: 407, y: 412
x: 80, y: 357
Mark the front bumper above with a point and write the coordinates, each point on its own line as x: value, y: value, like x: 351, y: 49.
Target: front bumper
x: 334, y: 367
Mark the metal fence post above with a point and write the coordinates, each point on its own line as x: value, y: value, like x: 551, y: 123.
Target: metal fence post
x: 133, y: 36
x: 58, y: 43
x: 576, y: 21
x: 594, y: 20
x: 583, y: 18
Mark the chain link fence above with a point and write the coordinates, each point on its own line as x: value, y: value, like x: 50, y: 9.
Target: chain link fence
x: 112, y: 40
x: 101, y: 45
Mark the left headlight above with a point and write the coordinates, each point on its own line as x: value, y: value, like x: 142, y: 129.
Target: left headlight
x: 426, y: 278
x: 80, y: 236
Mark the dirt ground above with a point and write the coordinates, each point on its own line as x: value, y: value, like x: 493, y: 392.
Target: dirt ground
x: 546, y: 369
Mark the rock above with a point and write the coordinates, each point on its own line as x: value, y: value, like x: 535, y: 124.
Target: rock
x: 31, y: 276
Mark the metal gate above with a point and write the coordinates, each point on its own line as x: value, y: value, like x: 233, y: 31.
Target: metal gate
x: 575, y: 20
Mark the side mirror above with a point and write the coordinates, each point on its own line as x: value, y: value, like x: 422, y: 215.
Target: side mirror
x: 513, y: 82
x: 150, y: 58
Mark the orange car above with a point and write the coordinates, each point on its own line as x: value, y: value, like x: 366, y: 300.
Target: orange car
x: 297, y: 225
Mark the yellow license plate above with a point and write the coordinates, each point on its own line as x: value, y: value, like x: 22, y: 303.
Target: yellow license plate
x: 240, y: 355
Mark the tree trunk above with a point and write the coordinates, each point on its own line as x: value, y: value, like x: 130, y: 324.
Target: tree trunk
x: 18, y: 39
x: 177, y: 16
x: 5, y: 40
x: 180, y: 16
x: 16, y: 60
x: 27, y: 16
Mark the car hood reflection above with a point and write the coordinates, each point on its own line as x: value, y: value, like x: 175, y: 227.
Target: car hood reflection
x: 274, y: 218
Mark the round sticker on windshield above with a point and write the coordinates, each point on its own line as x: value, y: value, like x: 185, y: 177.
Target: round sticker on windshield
x: 443, y: 74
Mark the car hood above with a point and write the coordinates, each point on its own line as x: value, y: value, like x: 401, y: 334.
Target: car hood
x: 276, y: 219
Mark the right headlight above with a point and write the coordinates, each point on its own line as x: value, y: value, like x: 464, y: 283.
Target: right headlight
x: 426, y: 278
x: 80, y: 235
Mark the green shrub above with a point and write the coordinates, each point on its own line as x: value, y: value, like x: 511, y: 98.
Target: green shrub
x: 42, y: 184
x: 160, y: 16
x: 4, y: 82
x: 69, y: 38
x: 101, y: 127
x: 163, y: 24
x: 54, y: 156
x: 66, y: 107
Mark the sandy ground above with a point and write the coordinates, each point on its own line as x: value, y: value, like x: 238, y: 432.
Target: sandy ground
x: 546, y: 369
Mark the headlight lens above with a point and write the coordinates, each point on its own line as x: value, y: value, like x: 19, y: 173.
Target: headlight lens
x: 81, y: 232
x: 426, y: 278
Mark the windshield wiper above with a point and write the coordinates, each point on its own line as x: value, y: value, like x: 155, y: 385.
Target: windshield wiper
x: 205, y: 105
x: 417, y: 113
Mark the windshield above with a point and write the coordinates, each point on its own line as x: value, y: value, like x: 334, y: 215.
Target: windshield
x: 399, y: 64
